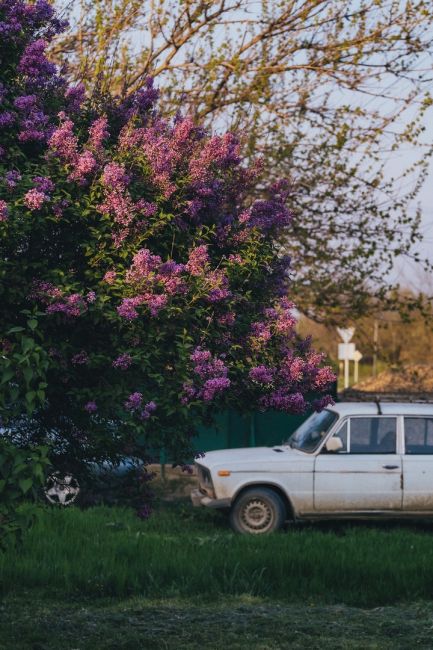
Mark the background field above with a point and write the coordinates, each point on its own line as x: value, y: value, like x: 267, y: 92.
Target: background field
x: 104, y: 578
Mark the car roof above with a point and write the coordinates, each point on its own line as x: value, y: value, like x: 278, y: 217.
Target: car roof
x: 386, y: 408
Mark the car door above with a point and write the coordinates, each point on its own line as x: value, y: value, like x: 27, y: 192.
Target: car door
x: 365, y: 474
x: 418, y: 464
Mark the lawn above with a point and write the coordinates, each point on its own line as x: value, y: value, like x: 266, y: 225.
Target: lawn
x: 102, y: 578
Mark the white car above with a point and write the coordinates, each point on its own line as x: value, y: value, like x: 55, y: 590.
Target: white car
x: 351, y: 460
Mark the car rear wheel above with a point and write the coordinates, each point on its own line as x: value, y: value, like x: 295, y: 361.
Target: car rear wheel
x: 258, y: 511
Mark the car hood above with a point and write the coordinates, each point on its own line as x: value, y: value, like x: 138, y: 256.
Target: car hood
x: 251, y: 458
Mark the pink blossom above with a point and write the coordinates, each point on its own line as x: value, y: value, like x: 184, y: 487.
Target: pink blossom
x: 91, y: 297
x: 110, y: 277
x: 98, y: 132
x: 72, y: 306
x: 115, y: 177
x: 156, y: 303
x: 34, y: 199
x: 3, y: 210
x: 63, y: 141
x: 84, y: 165
x: 324, y: 377
x: 127, y: 308
x: 198, y: 260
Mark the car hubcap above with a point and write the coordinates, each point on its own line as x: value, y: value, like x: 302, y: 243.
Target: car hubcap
x: 257, y: 516
x: 61, y: 489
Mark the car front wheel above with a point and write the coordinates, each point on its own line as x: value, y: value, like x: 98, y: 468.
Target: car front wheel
x: 257, y: 511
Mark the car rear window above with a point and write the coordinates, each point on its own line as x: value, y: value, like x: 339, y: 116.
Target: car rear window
x: 418, y: 435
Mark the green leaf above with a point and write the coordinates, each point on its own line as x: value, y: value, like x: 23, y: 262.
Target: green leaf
x: 25, y: 484
x: 32, y: 324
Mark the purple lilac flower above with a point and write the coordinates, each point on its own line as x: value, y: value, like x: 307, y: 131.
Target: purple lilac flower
x: 127, y: 308
x: 71, y: 306
x: 323, y: 402
x: 34, y: 199
x: 91, y: 407
x: 134, y: 401
x: 261, y: 375
x: 156, y: 303
x: 145, y: 208
x: 7, y: 118
x: 12, y: 177
x: 44, y: 184
x: 213, y: 387
x: 35, y: 65
x: 80, y: 359
x: 25, y: 102
x: 122, y: 362
x: 91, y: 296
x: 75, y: 96
x: 149, y: 408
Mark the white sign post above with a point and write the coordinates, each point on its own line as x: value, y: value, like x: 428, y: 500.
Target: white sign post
x: 357, y: 358
x: 346, y: 350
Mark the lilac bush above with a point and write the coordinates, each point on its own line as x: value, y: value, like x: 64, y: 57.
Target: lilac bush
x: 136, y: 261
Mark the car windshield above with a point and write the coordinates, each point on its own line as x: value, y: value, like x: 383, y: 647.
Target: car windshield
x: 310, y: 434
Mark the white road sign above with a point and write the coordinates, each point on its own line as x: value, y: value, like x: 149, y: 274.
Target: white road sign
x: 346, y: 351
x: 346, y: 333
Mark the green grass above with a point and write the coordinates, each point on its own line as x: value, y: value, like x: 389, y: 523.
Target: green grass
x: 181, y: 552
x: 241, y: 623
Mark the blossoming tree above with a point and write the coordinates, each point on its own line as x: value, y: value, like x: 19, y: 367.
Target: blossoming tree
x: 141, y: 288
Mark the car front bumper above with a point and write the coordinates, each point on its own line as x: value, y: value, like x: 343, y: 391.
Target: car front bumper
x: 200, y: 499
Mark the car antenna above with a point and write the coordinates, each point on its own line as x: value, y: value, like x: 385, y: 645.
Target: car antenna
x: 379, y: 410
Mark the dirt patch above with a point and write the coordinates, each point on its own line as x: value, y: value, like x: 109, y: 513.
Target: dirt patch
x: 172, y: 483
x: 412, y: 378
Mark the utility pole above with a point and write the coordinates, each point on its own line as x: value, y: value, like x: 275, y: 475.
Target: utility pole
x: 375, y: 345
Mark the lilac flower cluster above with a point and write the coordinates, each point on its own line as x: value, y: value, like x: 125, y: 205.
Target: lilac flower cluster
x: 25, y: 30
x: 91, y: 407
x: 261, y: 375
x: 135, y: 403
x: 71, y: 306
x: 34, y: 199
x: 123, y: 361
x: 155, y: 280
x: 12, y: 178
x: 212, y: 373
x: 80, y: 359
x: 198, y: 260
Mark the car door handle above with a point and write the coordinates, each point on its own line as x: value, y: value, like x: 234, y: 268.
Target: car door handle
x: 390, y: 466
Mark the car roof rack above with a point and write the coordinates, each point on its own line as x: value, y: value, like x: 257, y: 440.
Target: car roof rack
x: 379, y: 410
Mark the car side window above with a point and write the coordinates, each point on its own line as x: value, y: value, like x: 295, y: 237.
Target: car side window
x: 373, y: 435
x: 342, y: 434
x: 418, y: 435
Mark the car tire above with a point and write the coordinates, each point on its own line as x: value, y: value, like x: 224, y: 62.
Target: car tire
x: 258, y: 511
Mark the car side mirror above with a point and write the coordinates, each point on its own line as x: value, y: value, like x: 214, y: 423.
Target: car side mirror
x: 334, y: 444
